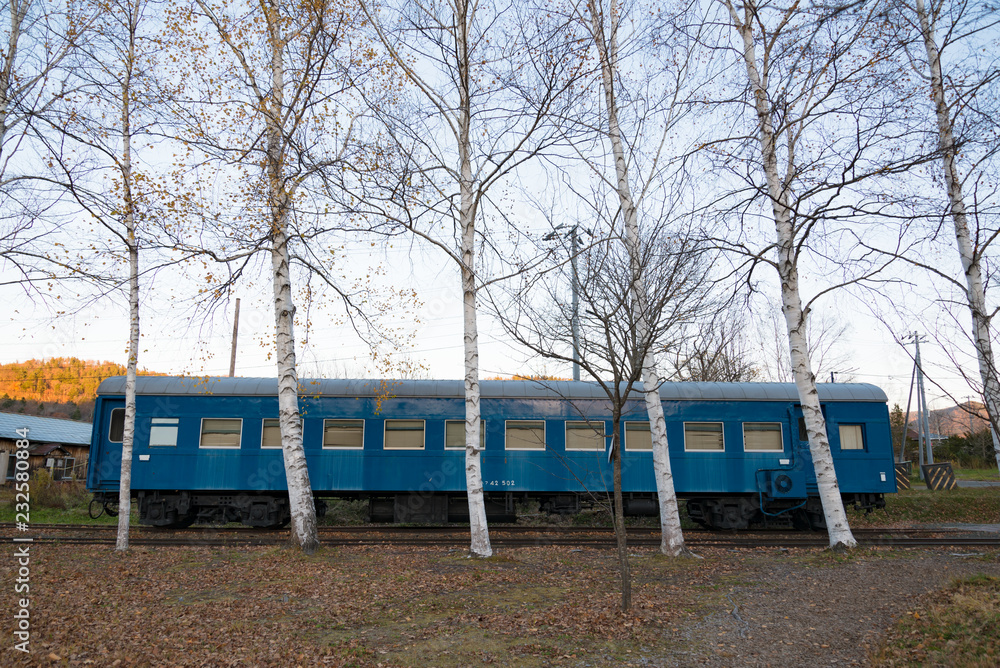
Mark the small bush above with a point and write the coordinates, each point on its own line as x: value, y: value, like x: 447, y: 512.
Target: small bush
x: 60, y: 494
x: 343, y: 512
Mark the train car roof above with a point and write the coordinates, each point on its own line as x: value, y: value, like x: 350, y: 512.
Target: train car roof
x: 510, y: 389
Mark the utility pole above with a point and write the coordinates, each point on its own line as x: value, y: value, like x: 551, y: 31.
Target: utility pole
x: 920, y: 424
x: 574, y: 246
x: 906, y: 418
x: 236, y: 331
x: 968, y: 400
x: 923, y: 421
x: 923, y: 395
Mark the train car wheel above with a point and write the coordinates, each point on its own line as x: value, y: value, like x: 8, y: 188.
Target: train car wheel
x: 95, y: 509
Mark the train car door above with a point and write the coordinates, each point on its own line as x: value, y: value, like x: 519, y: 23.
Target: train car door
x: 106, y: 450
x: 801, y: 437
x: 800, y: 444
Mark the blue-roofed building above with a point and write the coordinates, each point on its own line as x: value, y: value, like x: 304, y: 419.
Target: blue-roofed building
x: 61, y: 446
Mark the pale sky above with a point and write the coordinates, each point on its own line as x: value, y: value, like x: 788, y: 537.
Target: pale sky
x: 177, y: 339
x: 176, y: 343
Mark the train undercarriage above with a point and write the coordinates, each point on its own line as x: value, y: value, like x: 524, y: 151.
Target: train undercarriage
x: 742, y: 512
x: 180, y: 509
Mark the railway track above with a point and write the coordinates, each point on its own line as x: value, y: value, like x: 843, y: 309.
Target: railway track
x: 500, y: 536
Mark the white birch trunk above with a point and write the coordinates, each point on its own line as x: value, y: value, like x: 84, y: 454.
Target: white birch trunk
x: 976, y: 294
x: 672, y: 542
x: 128, y: 436
x: 795, y: 319
x: 805, y: 382
x: 129, y: 204
x: 304, y: 533
x: 672, y: 536
x: 478, y: 527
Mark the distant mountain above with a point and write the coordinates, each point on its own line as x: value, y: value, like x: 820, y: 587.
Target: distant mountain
x: 954, y: 421
x: 61, y: 387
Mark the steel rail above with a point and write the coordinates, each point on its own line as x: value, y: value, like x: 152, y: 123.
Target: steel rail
x: 463, y: 529
x: 538, y: 537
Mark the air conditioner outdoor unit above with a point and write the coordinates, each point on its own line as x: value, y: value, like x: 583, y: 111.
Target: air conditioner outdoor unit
x: 784, y: 484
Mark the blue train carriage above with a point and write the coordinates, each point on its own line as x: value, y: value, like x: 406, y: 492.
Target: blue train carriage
x: 740, y: 452
x: 208, y: 449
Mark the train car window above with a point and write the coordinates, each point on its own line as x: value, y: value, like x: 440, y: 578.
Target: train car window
x: 851, y: 437
x: 221, y: 432
x: 803, y: 432
x: 403, y: 435
x: 762, y: 437
x: 454, y: 434
x: 348, y: 434
x: 704, y: 436
x: 163, y: 432
x: 270, y: 433
x: 638, y: 436
x: 116, y: 432
x: 525, y: 434
x: 585, y: 436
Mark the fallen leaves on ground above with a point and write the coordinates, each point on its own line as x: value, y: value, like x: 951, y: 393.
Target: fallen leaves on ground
x: 395, y: 606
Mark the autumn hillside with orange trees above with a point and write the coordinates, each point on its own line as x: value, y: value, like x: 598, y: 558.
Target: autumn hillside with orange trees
x: 62, y: 387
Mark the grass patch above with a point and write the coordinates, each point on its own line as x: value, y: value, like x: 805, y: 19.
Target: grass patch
x: 959, y: 627
x: 52, y: 502
x: 830, y: 558
x: 920, y: 505
x: 74, y: 515
x: 459, y: 647
x: 990, y: 474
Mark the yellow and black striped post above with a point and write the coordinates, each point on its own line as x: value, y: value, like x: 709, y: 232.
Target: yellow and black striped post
x: 939, y: 476
x: 902, y: 475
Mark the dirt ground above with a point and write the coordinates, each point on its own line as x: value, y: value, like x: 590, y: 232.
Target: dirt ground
x: 197, y: 606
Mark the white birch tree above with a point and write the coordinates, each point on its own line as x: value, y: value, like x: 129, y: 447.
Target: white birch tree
x: 962, y: 100
x: 483, y: 79
x: 817, y: 86
x: 91, y: 136
x: 604, y: 20
x: 132, y: 16
x: 268, y: 108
